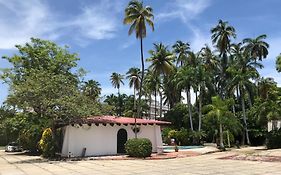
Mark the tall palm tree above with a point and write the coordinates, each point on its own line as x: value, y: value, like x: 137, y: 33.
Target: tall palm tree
x: 161, y: 60
x: 161, y: 64
x: 137, y: 15
x: 172, y: 94
x: 153, y: 83
x: 116, y: 81
x: 242, y: 82
x: 221, y: 38
x: 184, y: 79
x: 220, y: 110
x: 181, y: 49
x: 134, y: 81
x: 256, y: 48
x: 92, y: 89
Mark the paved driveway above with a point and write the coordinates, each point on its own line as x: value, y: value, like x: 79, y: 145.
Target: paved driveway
x: 204, y: 164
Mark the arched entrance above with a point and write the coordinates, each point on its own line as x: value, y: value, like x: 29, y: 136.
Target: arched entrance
x: 121, y: 140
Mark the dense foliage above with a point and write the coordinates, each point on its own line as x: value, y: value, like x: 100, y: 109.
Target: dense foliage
x: 138, y: 147
x: 274, y: 139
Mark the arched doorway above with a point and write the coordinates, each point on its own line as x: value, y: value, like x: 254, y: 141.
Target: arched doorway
x: 121, y: 140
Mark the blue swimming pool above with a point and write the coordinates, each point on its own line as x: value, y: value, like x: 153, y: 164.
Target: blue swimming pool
x: 172, y: 148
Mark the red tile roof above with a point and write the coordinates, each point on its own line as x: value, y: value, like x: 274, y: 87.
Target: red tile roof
x: 117, y: 120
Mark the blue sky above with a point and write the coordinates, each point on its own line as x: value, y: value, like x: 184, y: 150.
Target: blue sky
x: 94, y: 30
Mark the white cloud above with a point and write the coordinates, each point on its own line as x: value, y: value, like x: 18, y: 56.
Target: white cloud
x: 183, y: 9
x: 21, y: 20
x: 97, y: 21
x: 199, y: 39
x: 186, y: 11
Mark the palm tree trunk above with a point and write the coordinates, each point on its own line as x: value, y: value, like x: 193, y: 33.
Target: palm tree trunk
x: 134, y: 100
x: 155, y: 104
x: 200, y: 110
x: 160, y: 113
x: 150, y: 105
x: 141, y: 82
x: 244, y: 116
x: 188, y: 98
x: 119, y: 103
x: 221, y: 137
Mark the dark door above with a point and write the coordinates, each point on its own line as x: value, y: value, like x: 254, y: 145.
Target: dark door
x: 121, y: 140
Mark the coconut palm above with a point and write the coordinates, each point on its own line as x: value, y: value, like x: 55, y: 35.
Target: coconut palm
x: 161, y: 60
x: 256, y: 48
x: 181, y: 49
x: 172, y: 94
x: 92, y: 89
x: 221, y: 36
x: 161, y: 64
x: 242, y: 82
x: 153, y: 83
x: 209, y: 59
x: 184, y: 79
x: 116, y: 81
x: 134, y: 81
x: 137, y: 16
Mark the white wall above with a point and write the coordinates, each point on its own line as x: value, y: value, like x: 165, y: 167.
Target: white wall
x: 102, y: 140
x: 270, y: 124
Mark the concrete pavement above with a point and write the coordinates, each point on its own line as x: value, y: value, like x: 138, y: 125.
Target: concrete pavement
x: 13, y: 164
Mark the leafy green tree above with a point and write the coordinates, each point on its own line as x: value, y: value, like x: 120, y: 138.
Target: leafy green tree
x: 178, y: 116
x: 138, y: 15
x: 219, y: 109
x: 41, y: 80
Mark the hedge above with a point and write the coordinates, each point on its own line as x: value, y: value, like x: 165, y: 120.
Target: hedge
x: 138, y: 147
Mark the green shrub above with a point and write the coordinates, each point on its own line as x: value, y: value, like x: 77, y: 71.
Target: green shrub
x: 165, y: 135
x: 274, y: 139
x: 172, y: 134
x: 183, y: 137
x: 138, y: 147
x: 196, y: 137
x: 29, y: 138
x: 47, y: 144
x: 257, y: 136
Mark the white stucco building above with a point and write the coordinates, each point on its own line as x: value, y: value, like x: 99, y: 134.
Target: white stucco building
x: 273, y: 125
x: 106, y: 135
